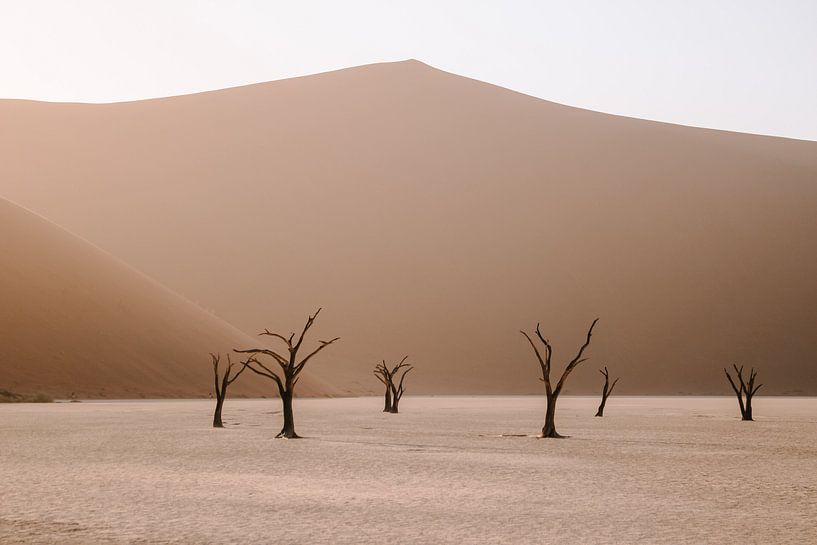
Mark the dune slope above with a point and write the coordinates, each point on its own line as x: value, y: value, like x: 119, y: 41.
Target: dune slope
x: 77, y: 321
x: 436, y: 216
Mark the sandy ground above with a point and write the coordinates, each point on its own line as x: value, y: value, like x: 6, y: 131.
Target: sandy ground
x: 654, y: 470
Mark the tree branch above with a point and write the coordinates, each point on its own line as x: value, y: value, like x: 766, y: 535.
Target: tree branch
x: 400, y: 389
x: 216, y: 360
x: 536, y: 351
x: 576, y: 360
x: 278, y: 336
x: 323, y: 345
x: 243, y: 368
x: 309, y: 323
x: 283, y: 362
x: 267, y: 373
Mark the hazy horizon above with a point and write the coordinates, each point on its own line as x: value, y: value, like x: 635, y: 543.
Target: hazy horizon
x: 737, y: 66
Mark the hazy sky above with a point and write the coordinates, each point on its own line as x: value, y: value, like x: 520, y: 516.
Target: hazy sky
x: 740, y: 65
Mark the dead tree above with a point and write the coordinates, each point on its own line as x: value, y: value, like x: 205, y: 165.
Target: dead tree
x: 745, y: 392
x: 394, y: 387
x: 291, y: 369
x: 397, y: 391
x: 382, y: 374
x: 606, y: 391
x: 221, y: 389
x: 552, y: 393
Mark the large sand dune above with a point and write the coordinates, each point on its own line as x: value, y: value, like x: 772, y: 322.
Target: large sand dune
x: 435, y: 216
x: 76, y: 320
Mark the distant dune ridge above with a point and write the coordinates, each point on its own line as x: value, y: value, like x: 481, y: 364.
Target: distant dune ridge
x: 430, y: 215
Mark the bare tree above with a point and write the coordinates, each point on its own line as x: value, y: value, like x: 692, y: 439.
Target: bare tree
x: 606, y: 391
x: 746, y: 390
x: 290, y: 366
x: 552, y: 393
x: 398, y: 390
x: 226, y: 380
x: 394, y: 387
x: 382, y: 374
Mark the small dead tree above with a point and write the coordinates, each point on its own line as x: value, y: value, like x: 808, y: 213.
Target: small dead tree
x: 394, y: 392
x: 291, y: 369
x: 551, y: 392
x: 221, y: 389
x: 397, y: 391
x: 606, y: 391
x: 745, y: 392
x: 382, y: 374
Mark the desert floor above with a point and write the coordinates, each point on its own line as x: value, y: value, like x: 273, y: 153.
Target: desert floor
x: 654, y: 470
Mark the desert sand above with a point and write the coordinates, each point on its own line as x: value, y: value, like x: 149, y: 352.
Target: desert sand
x: 653, y: 471
x: 76, y: 320
x: 436, y: 216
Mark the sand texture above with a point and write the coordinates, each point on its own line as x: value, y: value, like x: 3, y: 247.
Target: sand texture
x: 653, y: 471
x: 75, y: 320
x: 435, y: 216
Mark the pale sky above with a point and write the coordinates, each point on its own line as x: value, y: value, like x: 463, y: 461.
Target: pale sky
x: 740, y: 65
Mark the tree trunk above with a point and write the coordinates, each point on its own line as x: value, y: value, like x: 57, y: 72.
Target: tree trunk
x: 288, y: 431
x: 549, y: 429
x: 395, y: 400
x: 217, y: 415
x: 747, y: 412
x: 387, y: 405
x: 604, y: 396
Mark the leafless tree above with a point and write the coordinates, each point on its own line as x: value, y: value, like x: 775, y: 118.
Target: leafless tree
x: 606, y: 391
x: 398, y: 390
x: 291, y: 368
x: 226, y: 380
x: 552, y: 393
x: 382, y: 374
x: 394, y: 386
x: 745, y: 392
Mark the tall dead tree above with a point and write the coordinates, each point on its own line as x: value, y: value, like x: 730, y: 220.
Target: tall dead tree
x: 291, y: 368
x: 606, y: 391
x: 551, y: 392
x: 745, y: 392
x: 394, y: 386
x: 221, y: 389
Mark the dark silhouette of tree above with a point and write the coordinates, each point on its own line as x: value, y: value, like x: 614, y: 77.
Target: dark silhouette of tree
x: 397, y: 391
x: 745, y: 392
x: 606, y: 391
x: 291, y: 368
x: 551, y: 392
x: 394, y: 392
x: 382, y: 374
x: 221, y: 389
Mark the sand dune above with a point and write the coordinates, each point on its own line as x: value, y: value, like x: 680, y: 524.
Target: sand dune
x: 435, y: 216
x: 76, y: 320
